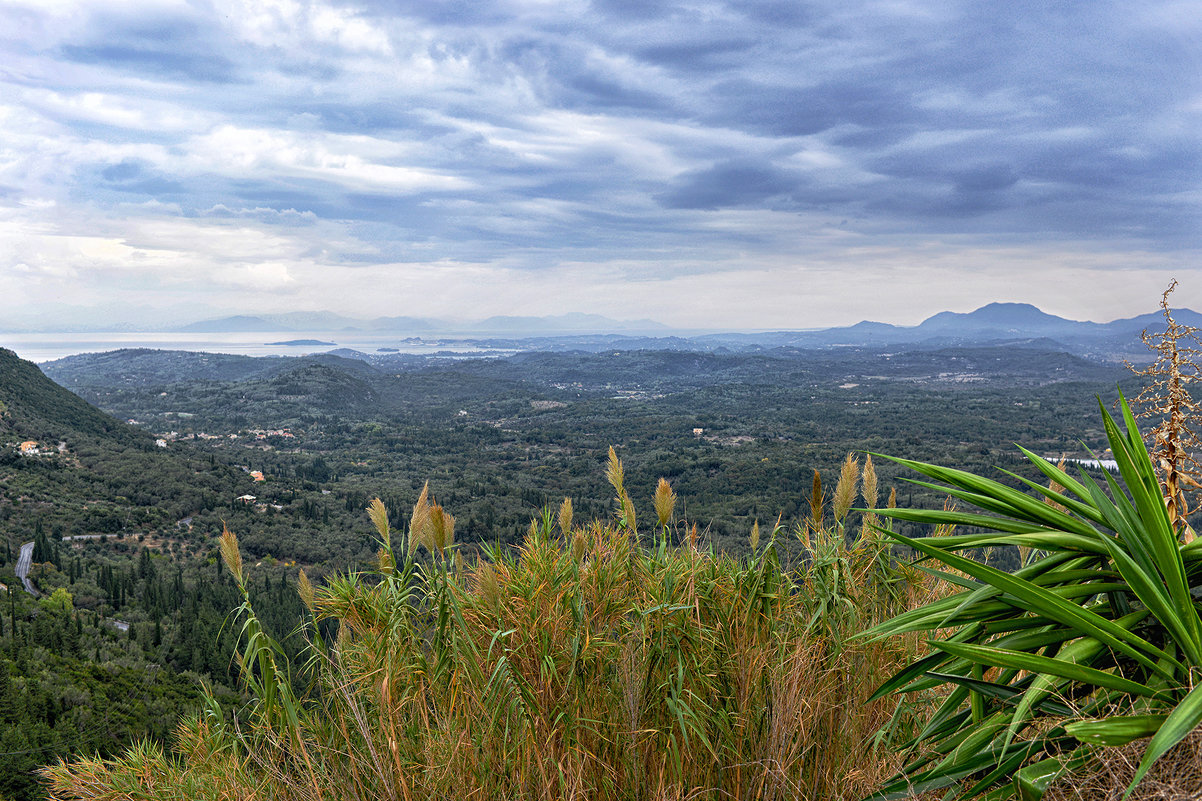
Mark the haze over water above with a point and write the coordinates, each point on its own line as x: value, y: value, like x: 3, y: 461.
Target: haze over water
x: 46, y: 347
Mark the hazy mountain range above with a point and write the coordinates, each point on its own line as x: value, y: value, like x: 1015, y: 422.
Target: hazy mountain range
x: 1016, y: 324
x: 992, y: 322
x: 328, y: 321
x: 998, y: 322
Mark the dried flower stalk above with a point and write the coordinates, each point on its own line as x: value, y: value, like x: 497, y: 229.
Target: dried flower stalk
x: 1167, y: 398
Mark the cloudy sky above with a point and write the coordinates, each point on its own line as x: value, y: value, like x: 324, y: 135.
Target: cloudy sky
x: 743, y: 164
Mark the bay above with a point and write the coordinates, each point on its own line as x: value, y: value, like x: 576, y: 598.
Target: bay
x: 46, y: 347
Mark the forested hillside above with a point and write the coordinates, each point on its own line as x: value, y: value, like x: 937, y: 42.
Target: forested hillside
x: 739, y: 435
x: 131, y: 608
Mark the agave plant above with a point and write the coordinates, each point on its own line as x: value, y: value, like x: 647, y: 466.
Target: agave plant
x: 1096, y: 640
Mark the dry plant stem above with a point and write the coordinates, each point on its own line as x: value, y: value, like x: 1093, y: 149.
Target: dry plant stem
x: 1167, y: 398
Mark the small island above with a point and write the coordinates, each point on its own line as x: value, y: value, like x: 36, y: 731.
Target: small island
x: 388, y: 350
x: 303, y: 343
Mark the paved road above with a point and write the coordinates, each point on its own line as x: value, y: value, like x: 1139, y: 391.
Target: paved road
x: 23, y: 564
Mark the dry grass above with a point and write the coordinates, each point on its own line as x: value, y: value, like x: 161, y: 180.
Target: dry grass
x: 1177, y: 776
x: 582, y: 666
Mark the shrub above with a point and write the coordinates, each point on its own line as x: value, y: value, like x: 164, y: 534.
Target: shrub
x: 1095, y: 641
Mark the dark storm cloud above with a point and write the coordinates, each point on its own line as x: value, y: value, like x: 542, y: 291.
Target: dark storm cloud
x: 697, y: 54
x: 732, y: 183
x: 788, y: 111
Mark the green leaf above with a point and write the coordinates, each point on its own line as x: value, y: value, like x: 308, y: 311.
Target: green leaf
x: 1116, y: 730
x: 1041, y: 601
x: 1035, y: 663
x: 1033, y: 781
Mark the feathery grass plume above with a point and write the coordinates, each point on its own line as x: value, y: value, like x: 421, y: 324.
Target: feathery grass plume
x: 868, y: 490
x: 614, y: 473
x: 580, y: 541
x: 447, y: 529
x: 892, y: 504
x: 665, y: 502
x: 755, y: 535
x: 628, y: 515
x: 693, y: 537
x: 228, y: 546
x: 488, y: 584
x: 617, y: 479
x: 379, y: 518
x: 418, y: 521
x: 441, y: 527
x: 845, y: 489
x: 815, y: 520
x: 565, y: 517
x: 868, y: 486
x: 304, y: 588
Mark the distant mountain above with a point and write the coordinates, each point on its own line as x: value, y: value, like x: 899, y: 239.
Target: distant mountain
x: 230, y: 324
x: 405, y: 325
x: 327, y: 321
x: 1015, y: 324
x: 302, y: 343
x: 573, y: 322
x: 1001, y: 319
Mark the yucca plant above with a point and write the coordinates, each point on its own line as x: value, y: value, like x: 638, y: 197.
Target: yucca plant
x: 1096, y: 640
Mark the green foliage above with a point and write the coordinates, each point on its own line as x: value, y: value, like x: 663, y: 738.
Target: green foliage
x: 1096, y: 640
x: 582, y: 665
x: 536, y: 425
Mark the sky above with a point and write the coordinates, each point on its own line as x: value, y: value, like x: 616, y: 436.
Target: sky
x: 710, y: 165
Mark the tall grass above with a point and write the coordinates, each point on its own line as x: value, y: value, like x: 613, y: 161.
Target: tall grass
x: 584, y: 665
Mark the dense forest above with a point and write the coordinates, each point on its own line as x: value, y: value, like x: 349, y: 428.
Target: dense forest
x: 739, y: 436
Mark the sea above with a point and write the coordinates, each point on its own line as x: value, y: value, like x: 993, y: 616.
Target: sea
x: 47, y: 347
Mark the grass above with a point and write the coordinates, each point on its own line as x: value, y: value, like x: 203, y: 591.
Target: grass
x: 588, y: 664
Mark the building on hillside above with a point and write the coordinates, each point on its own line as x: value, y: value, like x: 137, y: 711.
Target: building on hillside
x: 29, y: 448
x: 246, y: 498
x: 257, y: 475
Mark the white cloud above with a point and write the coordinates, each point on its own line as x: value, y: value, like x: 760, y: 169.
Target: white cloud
x: 119, y: 111
x: 292, y: 24
x: 357, y: 162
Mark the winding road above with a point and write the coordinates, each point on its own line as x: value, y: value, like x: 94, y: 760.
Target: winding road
x: 23, y: 564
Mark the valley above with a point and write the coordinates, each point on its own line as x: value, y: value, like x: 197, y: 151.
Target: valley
x: 130, y: 477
